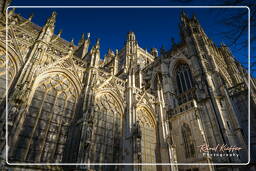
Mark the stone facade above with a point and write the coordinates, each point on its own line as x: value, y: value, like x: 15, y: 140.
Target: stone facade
x: 66, y: 104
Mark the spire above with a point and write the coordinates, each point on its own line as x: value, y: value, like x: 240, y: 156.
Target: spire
x: 183, y: 15
x: 223, y: 44
x: 81, y: 41
x: 110, y: 52
x: 83, y: 46
x: 71, y: 48
x: 31, y: 17
x: 59, y: 33
x: 97, y: 46
x: 72, y: 42
x: 131, y: 36
x: 95, y: 54
x: 51, y: 20
x: 183, y: 18
x: 194, y: 18
x: 48, y: 29
x: 154, y: 52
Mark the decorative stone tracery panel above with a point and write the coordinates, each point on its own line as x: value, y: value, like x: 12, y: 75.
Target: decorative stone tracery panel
x: 148, y: 141
x: 44, y: 131
x: 107, y: 131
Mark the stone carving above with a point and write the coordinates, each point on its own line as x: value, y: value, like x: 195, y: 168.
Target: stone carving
x: 21, y: 93
x: 137, y: 138
x: 89, y: 127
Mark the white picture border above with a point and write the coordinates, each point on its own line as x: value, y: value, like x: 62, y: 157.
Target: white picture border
x: 88, y: 164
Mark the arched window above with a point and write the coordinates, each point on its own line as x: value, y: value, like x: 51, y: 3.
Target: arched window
x: 187, y: 141
x: 148, y: 138
x: 44, y: 131
x: 107, y: 132
x: 184, y: 78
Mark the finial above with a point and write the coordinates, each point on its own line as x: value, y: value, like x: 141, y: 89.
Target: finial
x: 98, y: 41
x: 97, y: 46
x: 183, y: 14
x: 194, y: 18
x: 11, y: 12
x: 71, y: 48
x: 72, y: 42
x: 81, y: 41
x: 59, y: 33
x: 31, y: 17
x: 82, y: 37
x: 54, y: 14
x: 131, y: 35
x: 222, y: 44
x: 52, y: 19
x: 154, y: 52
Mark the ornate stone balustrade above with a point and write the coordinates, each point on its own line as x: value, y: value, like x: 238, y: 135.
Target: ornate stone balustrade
x: 184, y: 107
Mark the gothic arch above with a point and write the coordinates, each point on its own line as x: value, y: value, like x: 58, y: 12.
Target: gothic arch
x: 50, y: 113
x: 118, y: 99
x: 52, y: 71
x: 107, y: 134
x: 148, y: 136
x: 149, y: 113
x: 174, y: 63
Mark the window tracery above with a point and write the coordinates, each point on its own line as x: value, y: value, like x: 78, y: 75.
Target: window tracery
x: 45, y: 128
x: 185, y: 83
x: 184, y: 78
x: 148, y: 141
x: 107, y: 134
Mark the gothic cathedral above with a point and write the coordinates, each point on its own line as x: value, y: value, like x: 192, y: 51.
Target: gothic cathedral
x: 66, y: 104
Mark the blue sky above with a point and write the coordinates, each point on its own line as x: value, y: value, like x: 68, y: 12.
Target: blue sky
x: 153, y: 27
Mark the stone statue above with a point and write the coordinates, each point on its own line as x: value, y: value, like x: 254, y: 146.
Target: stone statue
x: 89, y: 126
x: 88, y: 135
x: 137, y: 137
x: 137, y: 130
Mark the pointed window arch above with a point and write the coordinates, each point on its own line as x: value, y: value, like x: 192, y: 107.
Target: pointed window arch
x: 148, y: 137
x: 187, y: 141
x: 44, y: 132
x: 107, y: 131
x: 185, y: 84
x: 184, y: 78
